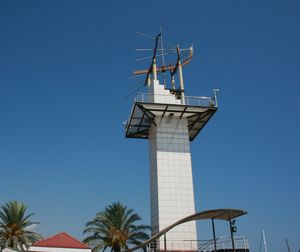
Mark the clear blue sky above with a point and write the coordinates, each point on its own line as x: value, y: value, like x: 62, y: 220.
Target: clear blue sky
x: 64, y: 73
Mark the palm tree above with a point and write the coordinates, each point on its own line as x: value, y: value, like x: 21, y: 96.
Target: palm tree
x: 15, y: 226
x: 115, y: 228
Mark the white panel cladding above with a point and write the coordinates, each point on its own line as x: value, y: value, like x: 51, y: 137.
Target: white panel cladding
x: 52, y: 249
x: 171, y: 181
x: 172, y: 194
x: 159, y: 94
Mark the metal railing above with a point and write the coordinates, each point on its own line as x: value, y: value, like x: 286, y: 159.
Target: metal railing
x: 167, y: 99
x: 224, y: 243
x: 173, y: 245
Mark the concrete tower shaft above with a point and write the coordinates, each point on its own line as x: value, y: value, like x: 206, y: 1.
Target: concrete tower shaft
x: 171, y: 182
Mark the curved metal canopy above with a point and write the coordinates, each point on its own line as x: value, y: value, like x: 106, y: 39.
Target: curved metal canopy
x: 218, y: 214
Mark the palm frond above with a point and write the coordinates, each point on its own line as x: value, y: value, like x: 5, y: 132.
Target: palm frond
x: 14, y: 224
x: 115, y: 227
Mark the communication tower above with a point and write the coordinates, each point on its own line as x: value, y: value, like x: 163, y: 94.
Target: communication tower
x: 170, y: 120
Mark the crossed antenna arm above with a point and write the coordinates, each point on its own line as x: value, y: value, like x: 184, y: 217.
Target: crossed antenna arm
x: 164, y: 68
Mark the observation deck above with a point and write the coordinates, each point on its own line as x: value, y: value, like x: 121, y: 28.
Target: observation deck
x: 147, y: 107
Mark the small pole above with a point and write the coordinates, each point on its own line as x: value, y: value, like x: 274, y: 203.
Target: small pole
x: 287, y: 244
x: 231, y: 234
x: 165, y: 242
x: 162, y: 55
x: 214, y: 234
x: 173, y: 82
x: 216, y: 99
x: 180, y: 76
x: 264, y: 240
x: 154, y: 72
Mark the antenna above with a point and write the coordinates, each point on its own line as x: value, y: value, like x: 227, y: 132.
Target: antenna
x: 162, y: 55
x: 287, y: 244
x: 264, y: 240
x: 157, y: 67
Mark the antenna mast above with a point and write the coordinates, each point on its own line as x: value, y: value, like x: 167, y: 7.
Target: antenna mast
x: 164, y: 66
x: 287, y: 244
x: 264, y: 240
x: 162, y: 55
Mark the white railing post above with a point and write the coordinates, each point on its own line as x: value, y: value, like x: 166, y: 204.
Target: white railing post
x: 216, y: 99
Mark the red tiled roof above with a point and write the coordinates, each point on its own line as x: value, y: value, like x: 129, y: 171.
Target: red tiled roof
x: 61, y: 240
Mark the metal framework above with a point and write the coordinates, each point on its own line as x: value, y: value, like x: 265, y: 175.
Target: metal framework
x: 197, y: 111
x: 216, y: 214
